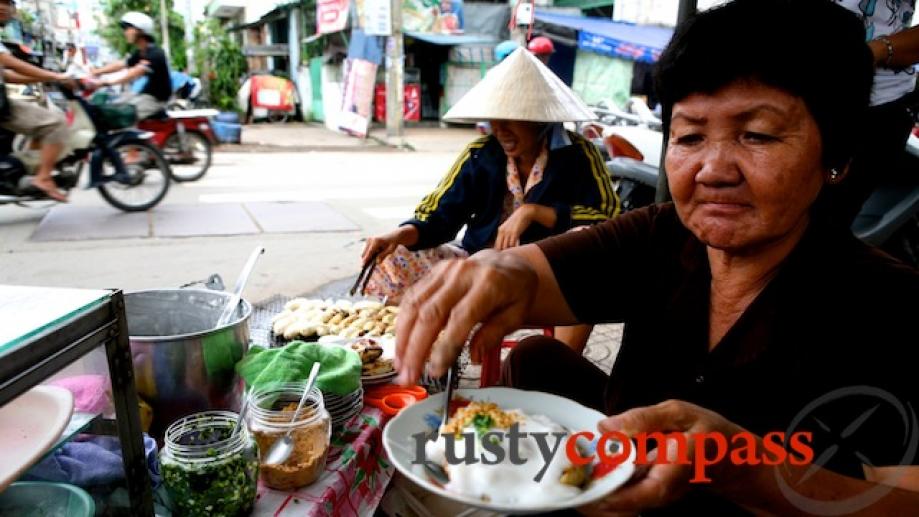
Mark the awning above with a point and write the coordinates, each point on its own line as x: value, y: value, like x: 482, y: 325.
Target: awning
x: 278, y: 12
x: 452, y: 39
x: 615, y: 39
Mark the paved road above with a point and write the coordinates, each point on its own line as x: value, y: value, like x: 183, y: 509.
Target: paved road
x: 375, y: 190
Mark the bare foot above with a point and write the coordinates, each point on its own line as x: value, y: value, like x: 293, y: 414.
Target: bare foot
x: 50, y: 189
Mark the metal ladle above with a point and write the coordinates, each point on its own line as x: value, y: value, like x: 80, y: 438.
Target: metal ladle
x: 230, y: 309
x: 281, y: 449
x: 242, y: 414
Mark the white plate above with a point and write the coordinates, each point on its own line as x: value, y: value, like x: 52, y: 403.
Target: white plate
x: 331, y: 408
x: 334, y: 340
x: 414, y: 419
x: 29, y: 426
x: 382, y: 378
x: 344, y: 418
x: 332, y: 401
x: 338, y: 410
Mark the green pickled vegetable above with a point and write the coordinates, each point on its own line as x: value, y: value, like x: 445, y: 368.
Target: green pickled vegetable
x: 217, y: 489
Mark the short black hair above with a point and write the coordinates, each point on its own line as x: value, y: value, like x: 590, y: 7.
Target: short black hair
x: 812, y: 49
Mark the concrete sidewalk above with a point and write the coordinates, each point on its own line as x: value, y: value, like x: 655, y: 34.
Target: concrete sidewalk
x: 298, y: 136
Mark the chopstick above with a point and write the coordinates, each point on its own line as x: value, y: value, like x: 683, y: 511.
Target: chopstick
x: 373, y: 266
x: 364, y: 276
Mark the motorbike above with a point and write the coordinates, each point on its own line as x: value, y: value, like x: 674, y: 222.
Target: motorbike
x: 186, y: 139
x: 128, y: 170
x: 889, y: 219
x: 270, y: 97
x: 636, y: 124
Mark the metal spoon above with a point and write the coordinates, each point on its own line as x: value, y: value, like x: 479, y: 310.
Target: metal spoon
x: 230, y: 307
x: 242, y: 415
x: 281, y: 449
x: 448, y: 396
x: 434, y: 470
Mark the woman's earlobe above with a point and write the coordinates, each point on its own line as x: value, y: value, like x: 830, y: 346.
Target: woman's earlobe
x: 836, y: 175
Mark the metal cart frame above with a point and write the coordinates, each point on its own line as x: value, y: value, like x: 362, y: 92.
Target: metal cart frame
x: 48, y: 352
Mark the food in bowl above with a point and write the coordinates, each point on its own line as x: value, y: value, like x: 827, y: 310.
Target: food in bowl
x: 372, y: 360
x: 505, y: 482
x: 304, y: 318
x: 368, y: 349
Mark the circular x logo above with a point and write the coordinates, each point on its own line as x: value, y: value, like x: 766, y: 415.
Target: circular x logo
x: 868, y: 497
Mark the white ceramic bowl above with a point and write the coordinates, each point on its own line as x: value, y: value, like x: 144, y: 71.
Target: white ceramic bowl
x: 418, y: 417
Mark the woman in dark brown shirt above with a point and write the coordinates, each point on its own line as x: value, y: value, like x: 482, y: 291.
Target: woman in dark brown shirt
x: 744, y: 309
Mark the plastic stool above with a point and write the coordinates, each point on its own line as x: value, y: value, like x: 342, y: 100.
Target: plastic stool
x: 491, y: 362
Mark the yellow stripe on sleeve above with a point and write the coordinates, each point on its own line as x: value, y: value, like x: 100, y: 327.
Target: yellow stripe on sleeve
x: 430, y: 202
x: 601, y: 176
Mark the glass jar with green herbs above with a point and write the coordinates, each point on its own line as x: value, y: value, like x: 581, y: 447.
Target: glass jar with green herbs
x: 207, y: 470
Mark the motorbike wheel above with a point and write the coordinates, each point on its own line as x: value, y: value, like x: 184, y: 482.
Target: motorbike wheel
x: 904, y: 244
x: 193, y: 166
x: 148, y: 177
x: 278, y: 117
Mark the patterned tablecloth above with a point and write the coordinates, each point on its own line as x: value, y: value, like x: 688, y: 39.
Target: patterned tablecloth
x: 355, y: 477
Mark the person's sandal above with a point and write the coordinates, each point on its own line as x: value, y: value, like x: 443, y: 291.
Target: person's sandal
x: 52, y: 193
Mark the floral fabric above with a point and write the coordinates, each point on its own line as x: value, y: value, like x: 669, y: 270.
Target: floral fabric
x: 355, y: 477
x: 397, y: 272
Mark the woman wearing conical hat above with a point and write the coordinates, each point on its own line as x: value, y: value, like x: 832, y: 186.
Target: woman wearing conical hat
x: 526, y: 181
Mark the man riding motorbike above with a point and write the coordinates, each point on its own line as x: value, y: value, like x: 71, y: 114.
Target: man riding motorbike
x: 74, y: 61
x: 147, y: 60
x: 542, y: 47
x: 46, y: 126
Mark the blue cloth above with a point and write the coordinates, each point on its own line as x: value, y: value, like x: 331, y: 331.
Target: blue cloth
x: 178, y: 80
x: 614, y: 39
x: 575, y: 183
x: 504, y: 49
x: 92, y: 462
x: 368, y: 48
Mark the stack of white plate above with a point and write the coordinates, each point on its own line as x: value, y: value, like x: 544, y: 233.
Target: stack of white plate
x: 343, y: 407
x: 382, y: 378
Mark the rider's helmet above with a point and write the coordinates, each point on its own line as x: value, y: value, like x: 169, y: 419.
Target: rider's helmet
x: 139, y: 21
x: 541, y: 46
x: 504, y: 49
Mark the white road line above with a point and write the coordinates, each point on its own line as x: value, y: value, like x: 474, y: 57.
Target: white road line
x: 340, y: 193
x: 401, y: 212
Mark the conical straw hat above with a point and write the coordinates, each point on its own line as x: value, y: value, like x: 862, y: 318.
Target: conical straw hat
x: 520, y: 88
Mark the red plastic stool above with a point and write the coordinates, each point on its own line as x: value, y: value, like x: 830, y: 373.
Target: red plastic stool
x: 491, y: 362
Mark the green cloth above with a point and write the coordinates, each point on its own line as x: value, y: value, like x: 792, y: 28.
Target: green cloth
x: 602, y: 78
x: 339, y: 371
x: 221, y: 352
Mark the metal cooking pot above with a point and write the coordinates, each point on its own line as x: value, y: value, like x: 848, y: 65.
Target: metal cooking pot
x: 182, y: 364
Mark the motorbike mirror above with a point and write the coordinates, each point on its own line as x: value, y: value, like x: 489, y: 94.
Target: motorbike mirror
x: 619, y: 146
x: 592, y: 131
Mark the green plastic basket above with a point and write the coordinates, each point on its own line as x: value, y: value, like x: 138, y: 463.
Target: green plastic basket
x: 35, y: 498
x: 118, y: 116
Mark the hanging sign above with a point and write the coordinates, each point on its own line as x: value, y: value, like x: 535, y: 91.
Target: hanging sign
x: 331, y: 15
